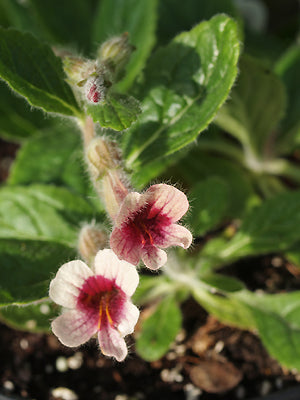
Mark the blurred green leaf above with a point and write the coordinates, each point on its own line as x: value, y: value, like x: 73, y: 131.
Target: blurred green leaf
x: 32, y: 318
x: 175, y: 18
x: 222, y: 282
x: 151, y: 288
x: 26, y: 268
x: 293, y: 254
x: 54, y: 156
x: 226, y: 308
x: 17, y: 120
x: 32, y: 70
x: 255, y: 107
x: 118, y: 112
x: 276, y: 317
x: 136, y: 17
x: 198, y: 165
x: 271, y: 227
x: 64, y: 22
x: 42, y: 213
x: 287, y: 67
x: 184, y: 85
x: 18, y: 15
x: 159, y: 330
x: 209, y: 202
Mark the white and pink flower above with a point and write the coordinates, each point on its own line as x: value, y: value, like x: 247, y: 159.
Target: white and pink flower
x: 146, y: 223
x: 98, y: 302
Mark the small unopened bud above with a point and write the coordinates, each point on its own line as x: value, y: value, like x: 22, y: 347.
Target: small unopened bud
x: 91, y: 240
x: 103, y: 155
x: 78, y: 69
x: 115, y: 53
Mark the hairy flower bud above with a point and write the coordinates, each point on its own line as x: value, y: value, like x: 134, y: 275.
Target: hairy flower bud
x: 103, y: 155
x: 104, y: 161
x: 91, y: 240
x: 78, y: 69
x: 115, y: 54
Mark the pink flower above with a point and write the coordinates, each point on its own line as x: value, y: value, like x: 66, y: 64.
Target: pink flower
x: 146, y: 222
x: 98, y: 302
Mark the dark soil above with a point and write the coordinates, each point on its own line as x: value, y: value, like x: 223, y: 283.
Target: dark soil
x: 208, y: 361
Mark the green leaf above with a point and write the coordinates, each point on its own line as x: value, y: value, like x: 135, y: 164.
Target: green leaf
x: 19, y: 16
x: 42, y: 213
x: 32, y: 318
x: 270, y: 227
x: 222, y: 282
x: 209, y: 202
x: 32, y: 70
x: 198, y: 165
x: 287, y: 67
x: 118, y: 112
x: 17, y: 120
x: 63, y: 22
x: 136, y: 17
x: 226, y: 308
x: 151, y: 288
x: 185, y: 83
x: 277, y: 319
x: 159, y: 330
x: 293, y: 254
x: 175, y: 18
x: 26, y: 268
x: 54, y: 156
x: 250, y: 115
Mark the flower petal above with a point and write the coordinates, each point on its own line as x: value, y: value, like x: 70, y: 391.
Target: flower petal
x: 65, y: 287
x: 125, y: 245
x: 110, y: 266
x: 176, y: 235
x: 112, y: 344
x: 129, y: 319
x: 132, y: 203
x: 167, y: 200
x: 74, y: 328
x: 154, y: 257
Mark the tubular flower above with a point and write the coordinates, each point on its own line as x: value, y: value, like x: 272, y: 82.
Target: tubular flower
x: 147, y: 222
x: 98, y: 303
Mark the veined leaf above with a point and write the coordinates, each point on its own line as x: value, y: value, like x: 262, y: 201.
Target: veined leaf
x: 32, y: 70
x: 118, y: 111
x: 185, y: 83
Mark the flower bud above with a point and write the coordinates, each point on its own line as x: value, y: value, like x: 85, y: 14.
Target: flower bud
x: 115, y: 53
x: 78, y: 69
x: 102, y: 156
x: 91, y: 240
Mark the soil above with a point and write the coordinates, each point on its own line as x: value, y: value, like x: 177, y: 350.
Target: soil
x: 208, y: 361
